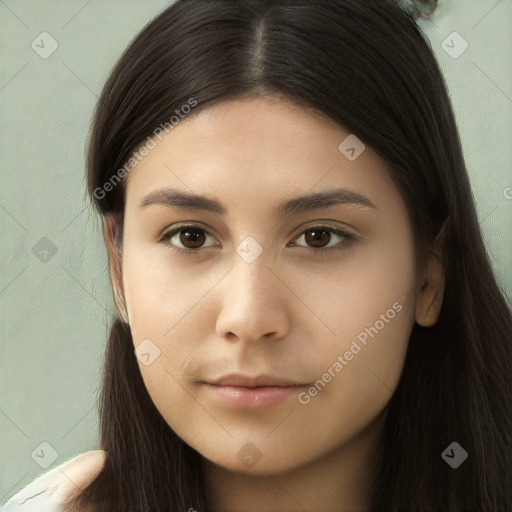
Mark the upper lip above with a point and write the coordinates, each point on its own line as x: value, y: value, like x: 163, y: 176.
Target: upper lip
x: 245, y: 381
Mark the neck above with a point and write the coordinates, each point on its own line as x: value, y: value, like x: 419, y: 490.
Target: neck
x: 338, y: 481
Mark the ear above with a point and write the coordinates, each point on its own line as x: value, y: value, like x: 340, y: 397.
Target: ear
x: 112, y: 227
x: 430, y: 292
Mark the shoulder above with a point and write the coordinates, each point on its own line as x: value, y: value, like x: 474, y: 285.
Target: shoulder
x: 49, y: 490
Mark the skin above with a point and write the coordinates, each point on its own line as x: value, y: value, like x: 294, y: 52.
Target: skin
x: 290, y: 313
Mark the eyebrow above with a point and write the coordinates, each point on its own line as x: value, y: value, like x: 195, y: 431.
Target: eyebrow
x: 316, y: 201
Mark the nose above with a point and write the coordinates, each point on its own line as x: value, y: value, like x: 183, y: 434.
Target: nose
x: 255, y: 303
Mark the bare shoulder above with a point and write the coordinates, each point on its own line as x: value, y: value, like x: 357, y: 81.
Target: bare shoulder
x: 85, y: 464
x: 79, y: 471
x: 50, y: 489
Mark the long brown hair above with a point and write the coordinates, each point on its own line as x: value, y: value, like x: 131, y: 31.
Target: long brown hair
x: 366, y: 65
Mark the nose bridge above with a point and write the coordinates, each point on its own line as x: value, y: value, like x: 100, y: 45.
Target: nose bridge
x: 251, y: 306
x: 251, y: 284
x: 251, y: 263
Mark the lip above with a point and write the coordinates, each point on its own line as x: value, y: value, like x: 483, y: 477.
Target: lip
x: 247, y: 392
x: 246, y: 381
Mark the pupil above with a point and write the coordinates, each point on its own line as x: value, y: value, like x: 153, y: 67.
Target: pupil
x: 192, y: 236
x: 196, y: 238
x: 317, y: 237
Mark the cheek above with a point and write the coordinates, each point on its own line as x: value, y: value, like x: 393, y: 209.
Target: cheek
x: 346, y: 300
x: 161, y: 294
x: 371, y: 311
x: 166, y: 308
x: 368, y: 306
x: 359, y: 309
x: 359, y: 292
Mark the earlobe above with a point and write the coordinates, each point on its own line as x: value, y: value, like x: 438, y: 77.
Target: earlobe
x: 111, y: 230
x: 431, y: 293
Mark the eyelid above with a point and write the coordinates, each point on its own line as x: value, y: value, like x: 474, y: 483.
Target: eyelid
x: 349, y: 237
x: 169, y: 233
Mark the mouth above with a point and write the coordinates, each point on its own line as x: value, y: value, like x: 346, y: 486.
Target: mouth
x: 252, y: 392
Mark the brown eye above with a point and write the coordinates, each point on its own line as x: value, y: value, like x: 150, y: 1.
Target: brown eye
x: 186, y: 238
x: 317, y: 237
x: 192, y: 238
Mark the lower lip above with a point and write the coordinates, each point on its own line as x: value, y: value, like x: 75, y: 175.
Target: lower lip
x: 253, y: 398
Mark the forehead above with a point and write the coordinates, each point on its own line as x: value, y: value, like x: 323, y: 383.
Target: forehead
x: 258, y: 147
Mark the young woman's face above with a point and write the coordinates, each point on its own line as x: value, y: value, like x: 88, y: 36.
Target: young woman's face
x: 269, y: 292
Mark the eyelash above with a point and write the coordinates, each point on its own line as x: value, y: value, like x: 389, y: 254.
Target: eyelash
x: 349, y: 239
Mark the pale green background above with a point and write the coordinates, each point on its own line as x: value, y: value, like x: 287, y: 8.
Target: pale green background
x: 54, y: 315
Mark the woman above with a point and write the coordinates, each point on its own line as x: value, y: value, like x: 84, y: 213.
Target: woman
x: 308, y: 319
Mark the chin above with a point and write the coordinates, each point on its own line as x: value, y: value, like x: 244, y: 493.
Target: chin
x: 258, y: 459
